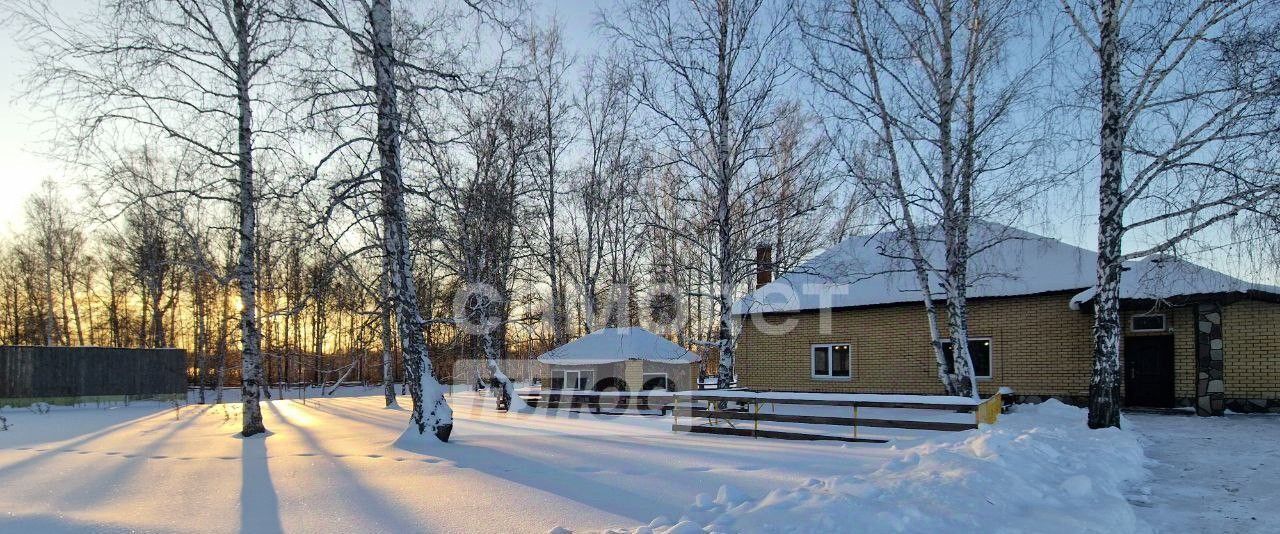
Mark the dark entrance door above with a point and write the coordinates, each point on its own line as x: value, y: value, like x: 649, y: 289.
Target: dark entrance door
x: 1148, y: 362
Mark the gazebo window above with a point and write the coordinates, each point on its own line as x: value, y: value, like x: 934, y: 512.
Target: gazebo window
x: 579, y: 380
x: 656, y: 381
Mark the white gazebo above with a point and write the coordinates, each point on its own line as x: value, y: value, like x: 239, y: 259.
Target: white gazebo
x: 626, y: 359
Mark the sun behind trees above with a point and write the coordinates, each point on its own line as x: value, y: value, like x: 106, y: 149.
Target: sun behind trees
x: 307, y: 192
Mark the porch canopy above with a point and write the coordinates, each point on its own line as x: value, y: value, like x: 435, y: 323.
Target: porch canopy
x: 610, y: 345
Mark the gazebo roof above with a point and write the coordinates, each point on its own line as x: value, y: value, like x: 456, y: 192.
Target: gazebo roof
x: 611, y: 345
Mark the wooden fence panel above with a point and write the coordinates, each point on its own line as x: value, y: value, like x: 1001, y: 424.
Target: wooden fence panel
x: 39, y: 372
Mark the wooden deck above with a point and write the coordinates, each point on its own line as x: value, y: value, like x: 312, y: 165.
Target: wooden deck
x: 720, y: 418
x: 775, y: 434
x: 601, y: 401
x: 824, y: 420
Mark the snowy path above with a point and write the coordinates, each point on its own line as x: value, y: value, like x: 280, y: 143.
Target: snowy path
x: 1211, y: 475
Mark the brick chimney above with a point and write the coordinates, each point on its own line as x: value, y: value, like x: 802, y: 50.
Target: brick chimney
x: 764, y: 265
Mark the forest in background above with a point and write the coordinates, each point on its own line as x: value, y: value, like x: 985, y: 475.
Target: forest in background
x: 295, y: 188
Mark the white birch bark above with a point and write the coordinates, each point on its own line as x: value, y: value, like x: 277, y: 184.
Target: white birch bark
x: 388, y: 339
x: 726, y: 275
x: 1104, y: 384
x: 430, y: 413
x: 1193, y: 64
x: 918, y: 263
x: 251, y: 378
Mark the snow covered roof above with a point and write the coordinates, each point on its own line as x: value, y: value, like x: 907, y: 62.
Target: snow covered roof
x: 610, y: 345
x: 876, y: 269
x: 1163, y: 277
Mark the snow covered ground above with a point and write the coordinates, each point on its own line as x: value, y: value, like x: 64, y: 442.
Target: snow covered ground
x: 332, y: 465
x: 1218, y: 474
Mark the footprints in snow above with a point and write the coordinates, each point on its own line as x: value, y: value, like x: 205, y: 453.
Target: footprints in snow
x: 591, y: 470
x: 119, y: 454
x: 586, y: 469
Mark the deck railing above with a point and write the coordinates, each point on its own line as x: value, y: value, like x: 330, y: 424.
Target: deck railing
x: 750, y: 409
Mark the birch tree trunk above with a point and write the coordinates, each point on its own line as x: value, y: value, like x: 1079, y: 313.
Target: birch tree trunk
x: 388, y: 340
x: 50, y: 319
x: 724, y: 181
x: 430, y: 411
x: 954, y: 223
x: 200, y: 316
x: 548, y: 56
x: 246, y: 273
x: 1104, y: 385
x: 918, y: 263
x: 68, y: 280
x: 157, y: 315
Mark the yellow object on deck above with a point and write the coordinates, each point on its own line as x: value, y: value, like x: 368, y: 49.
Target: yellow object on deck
x: 989, y: 411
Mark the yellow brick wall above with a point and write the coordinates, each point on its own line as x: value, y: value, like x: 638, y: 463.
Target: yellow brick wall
x: 1251, y: 345
x: 1039, y: 347
x: 634, y: 374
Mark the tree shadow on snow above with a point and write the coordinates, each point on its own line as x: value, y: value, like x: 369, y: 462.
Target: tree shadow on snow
x: 363, y: 498
x: 56, y: 449
x: 57, y: 523
x: 88, y: 491
x: 259, y: 505
x: 54, y: 427
x: 553, y: 479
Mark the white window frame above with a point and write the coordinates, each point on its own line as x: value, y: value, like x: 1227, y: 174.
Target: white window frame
x: 645, y: 377
x: 991, y: 356
x: 577, y: 378
x: 813, y: 371
x: 1164, y: 323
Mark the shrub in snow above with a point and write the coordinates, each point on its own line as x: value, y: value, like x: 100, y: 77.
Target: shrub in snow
x: 39, y: 407
x: 4, y: 423
x: 1039, y: 470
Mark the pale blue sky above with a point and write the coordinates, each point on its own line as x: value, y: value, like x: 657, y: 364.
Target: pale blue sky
x: 20, y: 133
x: 25, y: 131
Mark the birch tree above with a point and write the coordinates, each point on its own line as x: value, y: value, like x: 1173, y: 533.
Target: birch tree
x: 480, y: 204
x: 395, y: 54
x: 189, y: 71
x: 1183, y: 97
x: 709, y: 72
x: 48, y: 221
x: 550, y: 65
x: 932, y: 83
x: 608, y: 118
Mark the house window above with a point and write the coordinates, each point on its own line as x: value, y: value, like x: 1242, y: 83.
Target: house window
x: 655, y: 381
x: 830, y: 361
x: 979, y: 352
x: 1147, y: 323
x: 579, y: 380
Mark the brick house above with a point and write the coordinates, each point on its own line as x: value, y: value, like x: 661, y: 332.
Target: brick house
x: 851, y: 320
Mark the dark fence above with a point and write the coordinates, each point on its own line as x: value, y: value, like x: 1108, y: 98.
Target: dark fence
x: 62, y: 372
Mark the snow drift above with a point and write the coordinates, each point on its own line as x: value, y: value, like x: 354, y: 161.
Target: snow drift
x: 1040, y: 470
